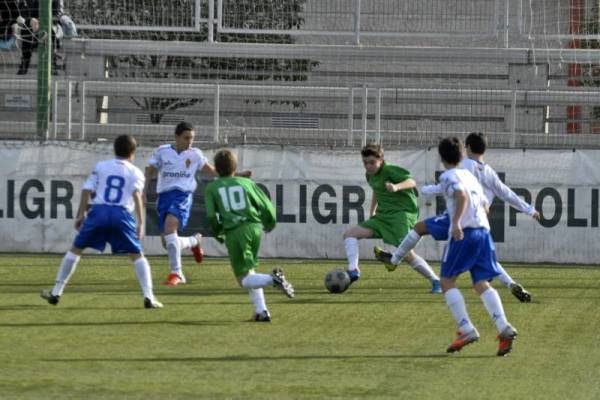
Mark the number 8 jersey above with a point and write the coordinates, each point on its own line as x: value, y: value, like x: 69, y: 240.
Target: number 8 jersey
x: 114, y: 182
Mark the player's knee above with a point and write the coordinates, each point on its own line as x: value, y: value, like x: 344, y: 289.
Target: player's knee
x: 409, y: 257
x: 447, y: 284
x: 171, y: 241
x: 133, y: 257
x: 481, y: 286
x: 420, y: 228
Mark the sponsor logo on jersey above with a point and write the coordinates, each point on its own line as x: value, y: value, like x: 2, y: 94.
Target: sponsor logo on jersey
x: 177, y: 174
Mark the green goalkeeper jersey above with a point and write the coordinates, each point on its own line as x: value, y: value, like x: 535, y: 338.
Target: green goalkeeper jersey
x: 234, y: 201
x: 391, y: 202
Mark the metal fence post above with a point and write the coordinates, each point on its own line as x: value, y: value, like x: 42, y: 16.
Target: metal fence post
x: 356, y: 21
x: 55, y: 110
x: 216, y: 116
x: 513, y: 125
x: 350, y: 140
x: 82, y: 133
x: 378, y: 117
x: 364, y: 116
x: 211, y: 21
x: 69, y: 108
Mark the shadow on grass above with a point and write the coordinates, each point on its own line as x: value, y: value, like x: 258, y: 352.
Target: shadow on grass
x: 118, y: 323
x: 23, y: 307
x: 246, y: 358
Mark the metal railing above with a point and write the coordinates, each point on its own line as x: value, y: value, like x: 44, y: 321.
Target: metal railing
x: 363, y: 104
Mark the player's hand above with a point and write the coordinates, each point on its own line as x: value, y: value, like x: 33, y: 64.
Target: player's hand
x: 457, y: 233
x: 390, y: 187
x: 245, y: 173
x: 536, y: 215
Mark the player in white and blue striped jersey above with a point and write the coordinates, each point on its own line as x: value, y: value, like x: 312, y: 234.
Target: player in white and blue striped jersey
x: 116, y: 186
x: 470, y: 248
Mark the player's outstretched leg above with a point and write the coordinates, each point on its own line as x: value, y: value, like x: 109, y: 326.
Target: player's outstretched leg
x: 67, y: 267
x: 422, y: 267
x: 197, y: 249
x: 520, y: 293
x: 385, y: 257
x: 515, y: 288
x: 280, y: 282
x: 408, y: 243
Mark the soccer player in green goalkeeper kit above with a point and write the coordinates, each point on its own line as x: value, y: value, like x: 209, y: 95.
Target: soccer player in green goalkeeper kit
x: 238, y: 210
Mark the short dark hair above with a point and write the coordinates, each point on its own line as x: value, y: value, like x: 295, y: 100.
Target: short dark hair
x: 225, y: 162
x: 124, y: 146
x: 476, y: 142
x: 450, y: 150
x: 182, y: 127
x: 372, y: 149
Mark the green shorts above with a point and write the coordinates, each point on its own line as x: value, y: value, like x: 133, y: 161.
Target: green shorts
x: 392, y: 228
x: 243, y: 244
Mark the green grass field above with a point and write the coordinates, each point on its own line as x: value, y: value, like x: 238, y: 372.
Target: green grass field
x: 384, y: 338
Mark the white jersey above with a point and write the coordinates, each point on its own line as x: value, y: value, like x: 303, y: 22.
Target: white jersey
x: 493, y: 186
x: 491, y: 183
x: 177, y: 171
x: 114, y: 182
x: 475, y: 214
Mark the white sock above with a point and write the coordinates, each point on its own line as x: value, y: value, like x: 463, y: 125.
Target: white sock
x: 144, y: 276
x: 188, y: 242
x: 256, y: 281
x: 458, y: 308
x: 421, y: 266
x: 408, y: 243
x: 352, y: 252
x: 258, y: 299
x: 504, y: 277
x: 174, y: 252
x: 493, y: 305
x: 66, y: 270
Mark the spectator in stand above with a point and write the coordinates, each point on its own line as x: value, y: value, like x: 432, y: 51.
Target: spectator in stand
x: 9, y: 29
x: 29, y: 10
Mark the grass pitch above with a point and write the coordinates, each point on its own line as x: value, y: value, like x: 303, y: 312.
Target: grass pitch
x: 384, y: 338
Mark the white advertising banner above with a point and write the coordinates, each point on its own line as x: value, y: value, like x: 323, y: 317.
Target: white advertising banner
x: 318, y: 195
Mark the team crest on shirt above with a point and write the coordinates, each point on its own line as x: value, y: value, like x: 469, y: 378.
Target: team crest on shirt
x: 188, y: 162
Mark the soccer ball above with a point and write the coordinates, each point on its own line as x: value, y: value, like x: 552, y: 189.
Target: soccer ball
x: 337, y: 281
